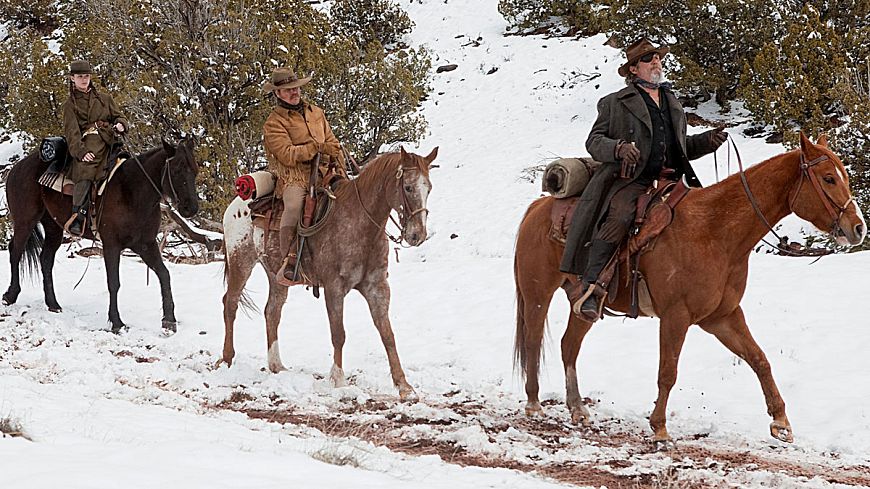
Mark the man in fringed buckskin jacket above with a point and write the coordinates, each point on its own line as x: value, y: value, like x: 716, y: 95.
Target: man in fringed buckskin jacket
x: 294, y: 133
x: 640, y: 135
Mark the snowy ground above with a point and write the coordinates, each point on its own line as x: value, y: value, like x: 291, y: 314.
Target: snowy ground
x: 144, y: 410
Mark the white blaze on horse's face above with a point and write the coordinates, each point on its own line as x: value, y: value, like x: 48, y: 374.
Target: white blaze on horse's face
x: 827, y: 201
x: 416, y: 188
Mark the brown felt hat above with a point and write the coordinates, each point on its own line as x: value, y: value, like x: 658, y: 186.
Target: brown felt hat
x: 284, y: 78
x: 636, y: 50
x: 80, y: 67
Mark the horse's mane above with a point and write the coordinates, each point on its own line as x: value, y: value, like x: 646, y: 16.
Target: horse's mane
x: 374, y: 172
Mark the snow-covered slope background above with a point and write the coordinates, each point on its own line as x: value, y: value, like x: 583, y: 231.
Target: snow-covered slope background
x: 144, y: 410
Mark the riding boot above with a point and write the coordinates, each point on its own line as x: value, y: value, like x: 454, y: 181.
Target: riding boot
x: 287, y: 238
x: 589, y: 305
x: 81, y: 201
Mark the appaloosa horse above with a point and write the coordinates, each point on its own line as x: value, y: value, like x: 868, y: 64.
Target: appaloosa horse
x: 350, y: 252
x: 130, y: 218
x: 696, y: 271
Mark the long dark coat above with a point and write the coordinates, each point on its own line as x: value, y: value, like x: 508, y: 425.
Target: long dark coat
x: 623, y: 115
x: 80, y: 111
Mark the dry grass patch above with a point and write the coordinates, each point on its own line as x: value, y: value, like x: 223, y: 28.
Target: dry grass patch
x: 10, y: 426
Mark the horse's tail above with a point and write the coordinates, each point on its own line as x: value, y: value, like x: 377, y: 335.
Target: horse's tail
x: 520, y: 339
x: 520, y: 358
x: 249, y: 307
x: 32, y: 250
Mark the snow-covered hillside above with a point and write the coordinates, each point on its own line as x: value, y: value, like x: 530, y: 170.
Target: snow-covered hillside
x: 144, y: 410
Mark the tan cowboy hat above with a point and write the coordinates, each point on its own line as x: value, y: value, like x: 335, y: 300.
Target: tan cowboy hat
x: 636, y: 50
x: 284, y: 78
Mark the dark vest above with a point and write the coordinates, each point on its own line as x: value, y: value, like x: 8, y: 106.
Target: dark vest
x: 665, y: 151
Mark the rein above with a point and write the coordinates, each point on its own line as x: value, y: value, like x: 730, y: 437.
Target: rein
x: 165, y: 173
x: 403, y: 218
x: 782, y: 246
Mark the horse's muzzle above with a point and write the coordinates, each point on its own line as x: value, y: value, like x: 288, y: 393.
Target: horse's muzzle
x: 188, y: 211
x: 416, y: 238
x: 852, y: 235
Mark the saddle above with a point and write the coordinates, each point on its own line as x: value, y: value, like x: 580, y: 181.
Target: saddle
x: 655, y: 212
x: 266, y: 214
x: 54, y: 151
x: 266, y: 210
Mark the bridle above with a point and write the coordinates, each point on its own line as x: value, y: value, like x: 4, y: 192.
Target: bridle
x: 165, y: 174
x: 835, y: 210
x: 404, y: 215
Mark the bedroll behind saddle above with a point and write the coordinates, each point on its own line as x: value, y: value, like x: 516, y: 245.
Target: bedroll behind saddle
x: 567, y: 177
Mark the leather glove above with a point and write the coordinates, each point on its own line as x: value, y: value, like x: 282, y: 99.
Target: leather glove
x: 628, y: 153
x: 309, y: 150
x: 332, y: 149
x: 717, y: 137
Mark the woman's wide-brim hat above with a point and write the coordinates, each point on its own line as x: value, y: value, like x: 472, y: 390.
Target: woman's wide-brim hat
x: 284, y: 78
x: 80, y: 67
x: 637, y: 50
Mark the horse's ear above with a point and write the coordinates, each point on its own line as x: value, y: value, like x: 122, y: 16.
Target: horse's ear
x: 431, y: 156
x: 403, y: 152
x: 823, y: 140
x: 806, y: 144
x: 168, y: 148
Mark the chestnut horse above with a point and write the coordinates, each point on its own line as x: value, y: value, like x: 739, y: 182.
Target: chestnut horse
x: 696, y: 272
x: 130, y: 219
x: 351, y: 251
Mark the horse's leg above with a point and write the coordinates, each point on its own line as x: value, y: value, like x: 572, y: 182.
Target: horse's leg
x: 21, y: 234
x: 238, y: 269
x: 112, y: 258
x: 277, y: 297
x: 377, y: 294
x: 733, y: 332
x: 533, y: 307
x: 150, y: 254
x: 571, y: 341
x: 53, y: 240
x: 335, y: 311
x: 672, y: 334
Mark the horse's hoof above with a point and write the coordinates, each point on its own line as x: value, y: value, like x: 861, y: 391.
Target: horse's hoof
x: 664, y: 445
x: 276, y: 368
x: 581, y: 416
x: 781, y: 432
x: 8, y: 301
x: 534, y: 409
x: 119, y: 328
x: 222, y: 361
x: 408, y: 394
x: 170, y: 326
x: 336, y: 375
x: 55, y: 309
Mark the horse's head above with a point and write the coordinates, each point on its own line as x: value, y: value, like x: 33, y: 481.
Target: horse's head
x: 179, y: 177
x: 822, y: 195
x: 413, y: 192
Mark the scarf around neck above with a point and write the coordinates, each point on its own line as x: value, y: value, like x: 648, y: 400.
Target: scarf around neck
x: 645, y: 84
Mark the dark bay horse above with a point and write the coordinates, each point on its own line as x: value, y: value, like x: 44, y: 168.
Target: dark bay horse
x: 696, y: 272
x: 130, y: 219
x: 350, y: 252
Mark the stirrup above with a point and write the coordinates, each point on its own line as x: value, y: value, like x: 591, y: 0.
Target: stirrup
x: 282, y: 279
x: 600, y: 293
x: 73, y: 219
